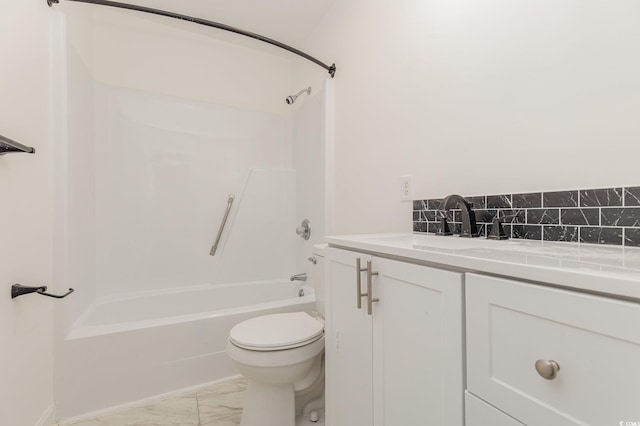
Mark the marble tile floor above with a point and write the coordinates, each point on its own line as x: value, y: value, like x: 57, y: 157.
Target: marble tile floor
x: 219, y: 405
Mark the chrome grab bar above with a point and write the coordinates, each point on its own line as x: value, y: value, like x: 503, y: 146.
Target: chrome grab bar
x: 222, y: 225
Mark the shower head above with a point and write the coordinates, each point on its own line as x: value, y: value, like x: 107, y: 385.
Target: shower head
x: 291, y: 99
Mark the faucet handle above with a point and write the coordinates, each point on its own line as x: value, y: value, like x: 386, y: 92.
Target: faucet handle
x: 444, y: 226
x: 497, y: 231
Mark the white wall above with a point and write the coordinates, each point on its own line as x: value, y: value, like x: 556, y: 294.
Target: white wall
x: 26, y: 353
x: 478, y: 98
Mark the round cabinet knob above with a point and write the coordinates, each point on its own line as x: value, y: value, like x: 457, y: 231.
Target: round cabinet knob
x: 547, y: 369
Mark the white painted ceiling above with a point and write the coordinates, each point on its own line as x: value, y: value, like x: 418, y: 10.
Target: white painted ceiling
x: 287, y: 21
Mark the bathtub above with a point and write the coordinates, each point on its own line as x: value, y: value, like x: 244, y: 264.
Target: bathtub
x: 128, y: 349
x: 152, y: 309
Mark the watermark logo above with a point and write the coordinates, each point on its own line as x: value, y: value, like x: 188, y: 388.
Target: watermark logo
x: 628, y: 423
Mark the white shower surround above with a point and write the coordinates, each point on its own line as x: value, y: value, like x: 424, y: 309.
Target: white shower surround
x: 164, y: 168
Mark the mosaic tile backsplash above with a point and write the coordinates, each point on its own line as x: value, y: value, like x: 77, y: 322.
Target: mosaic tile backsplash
x: 598, y: 216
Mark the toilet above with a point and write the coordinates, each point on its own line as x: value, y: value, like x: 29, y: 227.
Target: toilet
x: 282, y: 355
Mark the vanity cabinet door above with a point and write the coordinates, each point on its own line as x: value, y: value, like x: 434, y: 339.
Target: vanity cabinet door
x: 348, y: 343
x: 479, y: 413
x: 588, y: 348
x: 417, y: 345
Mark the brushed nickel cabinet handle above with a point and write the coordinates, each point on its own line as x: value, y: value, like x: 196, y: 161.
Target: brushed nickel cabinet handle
x: 359, y: 271
x: 370, y: 298
x: 547, y: 369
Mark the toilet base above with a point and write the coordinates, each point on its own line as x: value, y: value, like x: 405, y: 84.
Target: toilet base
x: 269, y: 405
x: 304, y: 420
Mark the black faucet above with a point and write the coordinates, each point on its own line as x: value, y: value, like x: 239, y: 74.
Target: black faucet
x: 469, y: 227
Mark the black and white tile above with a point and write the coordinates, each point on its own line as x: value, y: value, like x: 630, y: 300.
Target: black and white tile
x: 601, y: 197
x: 527, y: 201
x: 589, y: 216
x: 543, y: 216
x: 595, y: 216
x: 560, y: 233
x: 601, y: 235
x: 560, y: 199
x: 628, y: 216
x: 499, y: 201
x: 632, y: 196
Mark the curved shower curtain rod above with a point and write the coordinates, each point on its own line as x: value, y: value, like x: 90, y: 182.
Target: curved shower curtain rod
x: 330, y: 68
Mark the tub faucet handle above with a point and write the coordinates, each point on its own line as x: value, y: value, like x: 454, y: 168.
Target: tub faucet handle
x: 304, y: 230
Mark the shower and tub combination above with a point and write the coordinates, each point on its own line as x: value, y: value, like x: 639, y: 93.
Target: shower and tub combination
x: 144, y: 169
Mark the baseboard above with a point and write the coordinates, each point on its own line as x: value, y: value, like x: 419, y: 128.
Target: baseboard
x: 48, y: 417
x: 141, y: 402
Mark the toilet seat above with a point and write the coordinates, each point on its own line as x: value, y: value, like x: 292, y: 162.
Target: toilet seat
x: 277, y: 332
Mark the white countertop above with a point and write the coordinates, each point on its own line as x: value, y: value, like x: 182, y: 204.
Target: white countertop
x: 613, y: 270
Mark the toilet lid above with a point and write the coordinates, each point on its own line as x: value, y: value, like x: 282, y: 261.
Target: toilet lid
x: 277, y: 332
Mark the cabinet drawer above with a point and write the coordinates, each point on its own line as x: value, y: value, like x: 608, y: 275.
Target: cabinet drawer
x: 479, y: 413
x: 595, y: 341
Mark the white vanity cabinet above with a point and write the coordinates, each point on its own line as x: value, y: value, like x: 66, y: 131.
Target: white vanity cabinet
x: 402, y: 364
x: 543, y: 345
x: 587, y: 347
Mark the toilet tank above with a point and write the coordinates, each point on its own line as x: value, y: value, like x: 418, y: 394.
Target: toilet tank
x: 318, y: 276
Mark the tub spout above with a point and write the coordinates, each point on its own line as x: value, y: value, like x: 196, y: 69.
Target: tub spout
x: 298, y: 277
